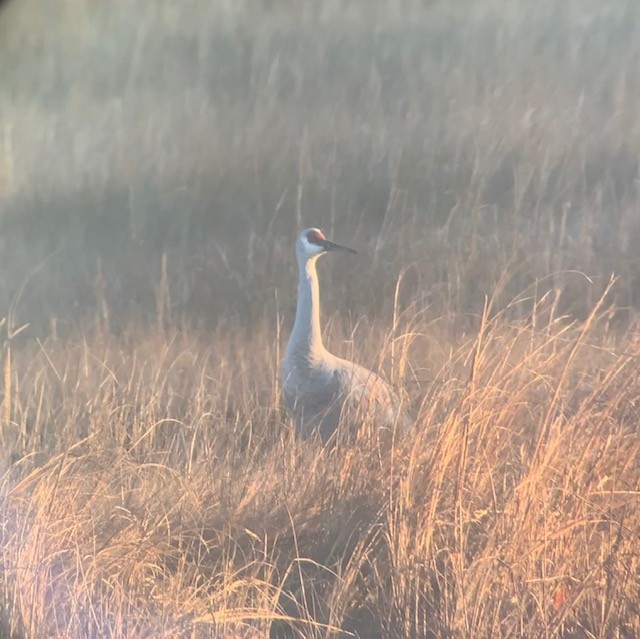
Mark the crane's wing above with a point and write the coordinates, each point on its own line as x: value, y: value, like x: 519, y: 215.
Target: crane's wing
x: 367, y: 395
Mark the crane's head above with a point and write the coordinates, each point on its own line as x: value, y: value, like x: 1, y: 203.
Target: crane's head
x: 312, y: 243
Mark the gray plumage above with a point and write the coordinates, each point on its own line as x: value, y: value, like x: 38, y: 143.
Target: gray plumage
x: 321, y: 390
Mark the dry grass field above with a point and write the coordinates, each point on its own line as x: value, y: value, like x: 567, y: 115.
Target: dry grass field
x: 158, y: 158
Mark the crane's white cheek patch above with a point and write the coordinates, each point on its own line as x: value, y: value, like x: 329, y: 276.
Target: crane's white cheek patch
x: 310, y: 248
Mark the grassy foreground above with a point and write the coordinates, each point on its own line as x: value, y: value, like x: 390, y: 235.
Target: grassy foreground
x: 179, y: 503
x: 156, y: 162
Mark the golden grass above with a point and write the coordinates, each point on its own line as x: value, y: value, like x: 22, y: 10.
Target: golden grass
x: 175, y: 500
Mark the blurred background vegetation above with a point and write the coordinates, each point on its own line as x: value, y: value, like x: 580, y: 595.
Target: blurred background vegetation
x: 178, y: 147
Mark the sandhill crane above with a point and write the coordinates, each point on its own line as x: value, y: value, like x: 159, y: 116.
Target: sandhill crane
x: 320, y: 390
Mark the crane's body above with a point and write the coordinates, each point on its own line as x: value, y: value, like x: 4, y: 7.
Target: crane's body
x: 321, y: 390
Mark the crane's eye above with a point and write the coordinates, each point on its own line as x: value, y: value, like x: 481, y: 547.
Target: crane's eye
x: 315, y: 237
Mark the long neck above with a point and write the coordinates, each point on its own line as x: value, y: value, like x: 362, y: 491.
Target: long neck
x: 306, y: 337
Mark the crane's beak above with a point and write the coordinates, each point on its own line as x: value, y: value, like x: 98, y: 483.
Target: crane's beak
x: 332, y: 246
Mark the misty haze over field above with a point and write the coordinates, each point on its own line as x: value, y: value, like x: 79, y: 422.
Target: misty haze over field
x: 506, y: 132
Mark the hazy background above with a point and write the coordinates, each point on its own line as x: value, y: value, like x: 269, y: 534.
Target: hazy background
x: 467, y: 139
